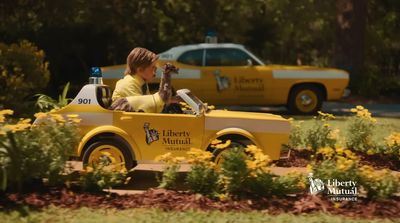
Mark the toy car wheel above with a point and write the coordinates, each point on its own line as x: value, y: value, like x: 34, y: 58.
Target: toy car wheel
x: 111, y: 152
x: 305, y: 100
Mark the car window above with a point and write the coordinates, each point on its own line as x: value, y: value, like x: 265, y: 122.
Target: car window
x: 227, y: 57
x: 192, y: 57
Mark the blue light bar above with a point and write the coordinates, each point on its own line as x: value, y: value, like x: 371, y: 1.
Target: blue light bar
x: 95, y: 72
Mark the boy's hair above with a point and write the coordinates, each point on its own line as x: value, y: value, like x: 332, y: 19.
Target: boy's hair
x: 139, y: 57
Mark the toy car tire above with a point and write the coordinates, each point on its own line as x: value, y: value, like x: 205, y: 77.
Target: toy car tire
x: 113, y: 150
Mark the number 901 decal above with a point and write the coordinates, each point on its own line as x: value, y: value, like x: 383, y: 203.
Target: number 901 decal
x: 83, y: 101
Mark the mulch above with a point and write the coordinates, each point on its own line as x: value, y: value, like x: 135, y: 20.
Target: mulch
x: 170, y: 200
x: 300, y: 158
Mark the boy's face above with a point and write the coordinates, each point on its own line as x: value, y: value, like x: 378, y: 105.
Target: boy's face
x: 147, y: 73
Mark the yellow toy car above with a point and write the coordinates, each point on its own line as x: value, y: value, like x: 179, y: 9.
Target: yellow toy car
x: 228, y: 74
x: 136, y: 137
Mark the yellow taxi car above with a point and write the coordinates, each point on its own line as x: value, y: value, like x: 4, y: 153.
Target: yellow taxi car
x: 136, y: 137
x: 229, y: 74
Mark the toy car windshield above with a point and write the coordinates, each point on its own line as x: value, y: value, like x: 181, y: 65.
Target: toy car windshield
x: 195, y: 103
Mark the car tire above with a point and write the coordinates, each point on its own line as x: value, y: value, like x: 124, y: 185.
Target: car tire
x: 305, y: 100
x: 113, y: 150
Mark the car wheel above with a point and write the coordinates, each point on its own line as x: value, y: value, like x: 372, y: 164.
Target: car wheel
x: 305, y: 100
x: 113, y: 152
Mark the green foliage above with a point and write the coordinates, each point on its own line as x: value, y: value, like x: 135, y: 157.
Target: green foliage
x: 234, y: 171
x: 290, y: 183
x: 46, y: 103
x: 392, y: 146
x: 101, y: 176
x: 379, y: 184
x: 170, y: 172
x: 23, y: 71
x: 202, y: 179
x: 296, y: 135
x: 360, y: 130
x: 262, y: 185
x: 320, y: 134
x: 168, y: 177
x: 36, y: 152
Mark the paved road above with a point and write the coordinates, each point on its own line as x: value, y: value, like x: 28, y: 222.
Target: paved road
x: 336, y: 108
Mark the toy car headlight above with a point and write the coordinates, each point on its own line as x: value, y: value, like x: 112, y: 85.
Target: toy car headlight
x: 95, y: 76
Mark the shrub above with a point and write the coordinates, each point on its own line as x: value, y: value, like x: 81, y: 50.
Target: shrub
x: 170, y: 172
x: 360, y: 130
x: 379, y: 184
x: 342, y: 165
x: 101, y: 176
x: 39, y: 151
x: 46, y: 103
x: 392, y: 144
x: 234, y: 171
x: 291, y: 183
x: 23, y: 72
x: 296, y: 135
x: 203, y: 177
x: 321, y: 134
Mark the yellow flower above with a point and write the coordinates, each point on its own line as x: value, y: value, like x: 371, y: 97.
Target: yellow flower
x: 222, y: 146
x: 326, y: 152
x: 169, y: 159
x: 223, y: 197
x: 215, y: 141
x: 393, y: 139
x: 339, y: 150
x: 370, y: 152
x: 75, y: 120
x: 350, y: 155
x: 334, y: 134
x: 326, y: 116
x: 40, y: 115
x: 72, y: 115
x: 89, y: 169
x: 58, y: 118
x: 4, y: 113
x: 163, y: 157
x: 197, y: 156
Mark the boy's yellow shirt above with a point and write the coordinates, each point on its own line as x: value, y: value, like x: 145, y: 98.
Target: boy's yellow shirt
x: 130, y: 87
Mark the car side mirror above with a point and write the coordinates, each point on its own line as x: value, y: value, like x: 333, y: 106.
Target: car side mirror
x: 249, y: 62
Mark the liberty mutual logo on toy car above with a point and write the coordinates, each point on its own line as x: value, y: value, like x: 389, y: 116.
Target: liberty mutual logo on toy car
x: 172, y: 139
x: 151, y: 134
x: 337, y: 190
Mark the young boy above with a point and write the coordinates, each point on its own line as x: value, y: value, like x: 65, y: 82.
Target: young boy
x: 132, y: 94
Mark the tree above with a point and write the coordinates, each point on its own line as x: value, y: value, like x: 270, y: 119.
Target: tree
x: 351, y: 18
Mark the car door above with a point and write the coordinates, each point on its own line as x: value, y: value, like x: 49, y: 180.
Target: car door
x: 156, y: 134
x: 236, y: 78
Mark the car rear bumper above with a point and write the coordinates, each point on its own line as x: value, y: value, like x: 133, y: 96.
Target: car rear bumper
x: 346, y: 93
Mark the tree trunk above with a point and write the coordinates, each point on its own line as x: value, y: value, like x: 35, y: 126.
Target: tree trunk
x: 351, y: 18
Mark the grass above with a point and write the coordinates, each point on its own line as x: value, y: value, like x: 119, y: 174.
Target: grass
x: 86, y: 215
x: 384, y: 126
